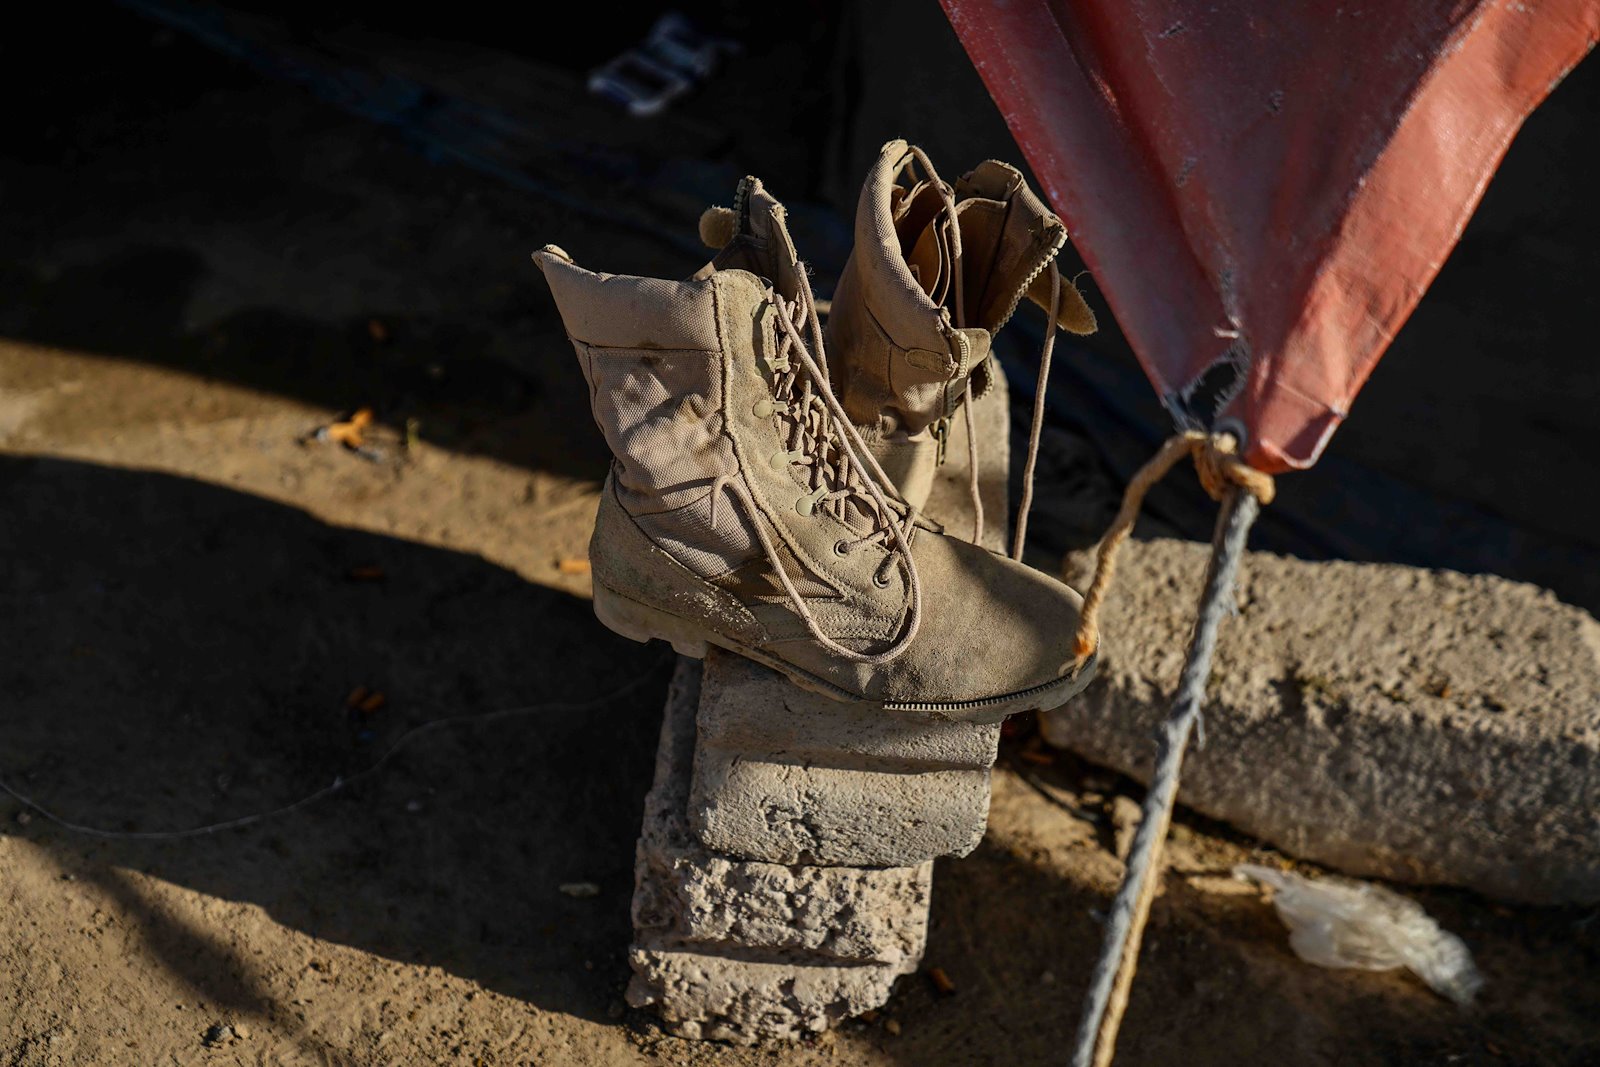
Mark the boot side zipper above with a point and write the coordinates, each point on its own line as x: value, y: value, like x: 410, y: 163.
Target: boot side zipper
x: 1022, y: 290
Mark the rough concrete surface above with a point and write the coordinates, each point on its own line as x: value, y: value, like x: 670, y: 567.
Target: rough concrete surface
x: 837, y: 914
x: 1424, y: 726
x: 742, y: 1000
x: 792, y: 777
x: 746, y: 706
x: 687, y: 896
x: 742, y: 950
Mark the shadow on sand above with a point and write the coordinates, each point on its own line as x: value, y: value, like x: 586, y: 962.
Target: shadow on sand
x: 181, y: 654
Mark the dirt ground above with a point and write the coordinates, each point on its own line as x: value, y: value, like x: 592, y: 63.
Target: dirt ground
x: 194, y: 587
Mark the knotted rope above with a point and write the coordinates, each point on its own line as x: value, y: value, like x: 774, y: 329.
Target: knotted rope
x: 1242, y: 490
x: 1216, y: 460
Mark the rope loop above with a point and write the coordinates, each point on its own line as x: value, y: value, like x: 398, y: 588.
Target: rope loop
x: 1216, y: 461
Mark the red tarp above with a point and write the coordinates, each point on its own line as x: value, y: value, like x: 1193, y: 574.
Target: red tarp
x: 1268, y: 182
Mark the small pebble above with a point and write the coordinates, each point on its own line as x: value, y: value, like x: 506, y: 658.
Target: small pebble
x: 892, y: 1027
x: 1125, y: 815
x: 580, y: 889
x: 941, y: 981
x: 413, y: 806
x: 24, y: 818
x: 616, y: 1010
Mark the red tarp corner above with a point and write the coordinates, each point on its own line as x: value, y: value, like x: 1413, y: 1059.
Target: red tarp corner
x: 1264, y: 183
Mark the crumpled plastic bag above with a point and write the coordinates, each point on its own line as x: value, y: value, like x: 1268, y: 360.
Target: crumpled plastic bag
x: 1337, y: 923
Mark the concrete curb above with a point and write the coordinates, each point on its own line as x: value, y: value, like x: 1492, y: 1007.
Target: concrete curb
x: 1426, y: 727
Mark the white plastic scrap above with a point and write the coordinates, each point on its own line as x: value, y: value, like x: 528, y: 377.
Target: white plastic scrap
x: 1337, y: 923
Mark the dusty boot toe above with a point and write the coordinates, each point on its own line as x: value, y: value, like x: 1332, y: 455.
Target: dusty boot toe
x: 996, y: 636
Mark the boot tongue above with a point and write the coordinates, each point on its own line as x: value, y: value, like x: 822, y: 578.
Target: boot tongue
x: 763, y: 224
x: 761, y: 245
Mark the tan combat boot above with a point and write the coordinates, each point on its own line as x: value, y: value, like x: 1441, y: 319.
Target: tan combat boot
x: 743, y: 510
x: 935, y: 273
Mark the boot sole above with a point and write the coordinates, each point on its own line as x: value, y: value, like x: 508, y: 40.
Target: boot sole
x: 639, y: 622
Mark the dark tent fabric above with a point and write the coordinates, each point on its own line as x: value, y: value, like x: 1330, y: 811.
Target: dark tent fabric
x: 1263, y: 190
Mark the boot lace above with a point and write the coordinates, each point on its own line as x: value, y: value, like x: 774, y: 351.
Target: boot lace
x: 842, y: 475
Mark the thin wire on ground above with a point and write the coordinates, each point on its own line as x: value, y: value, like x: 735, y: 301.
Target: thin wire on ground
x: 339, y: 782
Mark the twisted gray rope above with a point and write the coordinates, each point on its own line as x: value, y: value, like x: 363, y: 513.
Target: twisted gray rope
x: 1113, y: 973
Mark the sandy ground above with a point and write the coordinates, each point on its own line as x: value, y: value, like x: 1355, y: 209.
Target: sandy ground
x: 193, y: 590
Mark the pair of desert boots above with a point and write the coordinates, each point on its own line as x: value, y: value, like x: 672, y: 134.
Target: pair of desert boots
x: 770, y: 474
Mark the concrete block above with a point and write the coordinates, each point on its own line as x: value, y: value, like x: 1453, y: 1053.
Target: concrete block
x: 842, y: 915
x: 791, y: 777
x: 1426, y: 727
x: 745, y: 706
x: 688, y: 897
x: 742, y: 951
x: 747, y: 1000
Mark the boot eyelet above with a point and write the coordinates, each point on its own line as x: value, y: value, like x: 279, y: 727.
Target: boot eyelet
x: 880, y: 579
x: 841, y: 547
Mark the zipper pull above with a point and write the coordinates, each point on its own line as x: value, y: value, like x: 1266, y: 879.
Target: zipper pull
x: 941, y: 434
